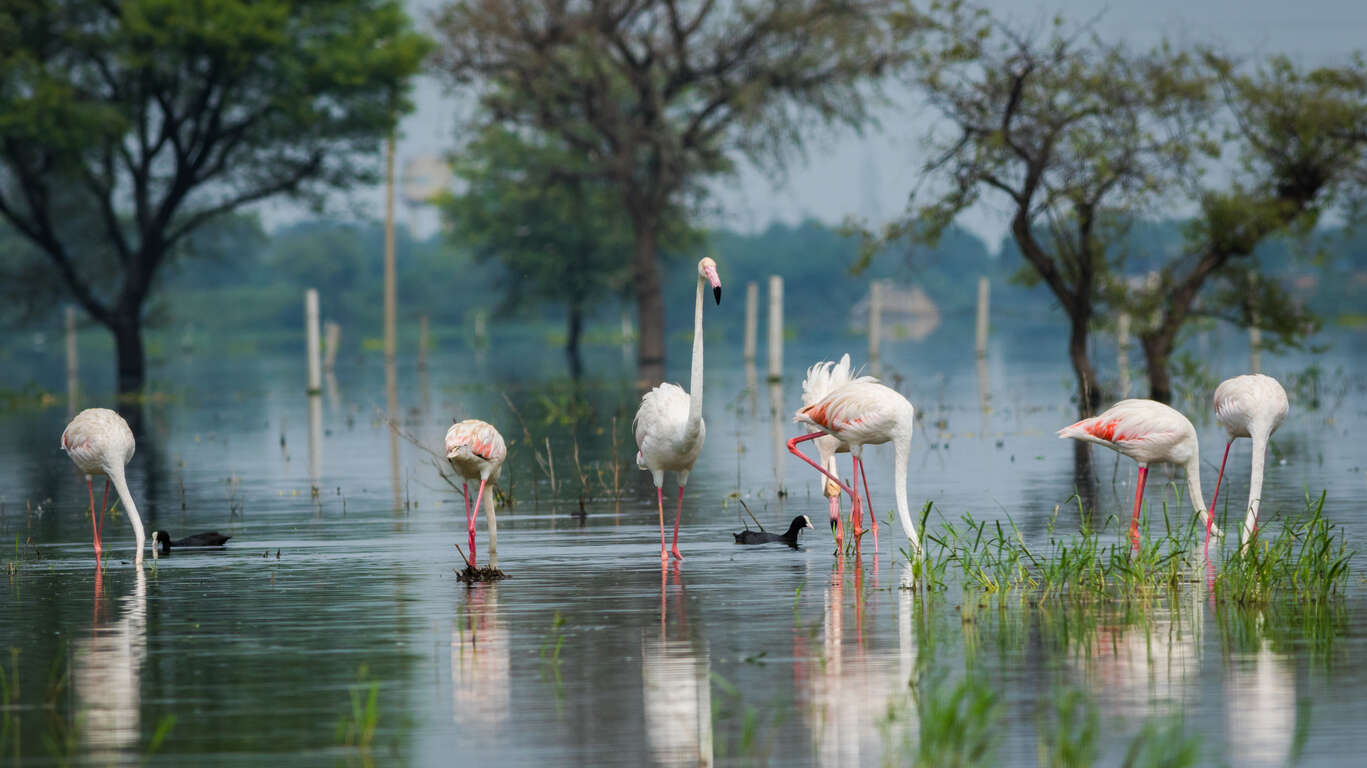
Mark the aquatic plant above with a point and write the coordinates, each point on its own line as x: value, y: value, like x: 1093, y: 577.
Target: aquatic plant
x: 959, y: 723
x: 357, y: 727
x: 758, y: 728
x: 1307, y: 559
x: 1163, y: 743
x: 1067, y: 731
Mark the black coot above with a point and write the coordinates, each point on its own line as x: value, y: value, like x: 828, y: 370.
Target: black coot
x: 763, y: 537
x: 163, y: 543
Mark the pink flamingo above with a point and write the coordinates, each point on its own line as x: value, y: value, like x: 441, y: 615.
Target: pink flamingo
x: 476, y: 450
x: 864, y: 412
x: 1252, y: 406
x: 1150, y: 433
x: 822, y: 379
x: 99, y: 442
x: 668, y: 425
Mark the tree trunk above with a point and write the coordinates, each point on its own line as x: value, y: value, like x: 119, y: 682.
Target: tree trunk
x: 576, y: 329
x: 132, y: 360
x: 1088, y: 397
x: 1158, y: 358
x: 650, y: 311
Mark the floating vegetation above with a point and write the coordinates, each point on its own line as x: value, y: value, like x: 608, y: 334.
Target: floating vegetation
x: 472, y: 575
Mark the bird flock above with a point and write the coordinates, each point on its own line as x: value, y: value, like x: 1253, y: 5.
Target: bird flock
x: 843, y: 412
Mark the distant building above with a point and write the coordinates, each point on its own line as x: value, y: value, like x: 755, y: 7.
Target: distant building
x: 908, y: 313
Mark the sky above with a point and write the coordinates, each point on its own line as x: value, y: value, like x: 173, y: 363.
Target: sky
x: 868, y: 175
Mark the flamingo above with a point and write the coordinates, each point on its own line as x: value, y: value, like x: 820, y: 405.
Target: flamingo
x: 476, y: 450
x: 99, y: 442
x: 1253, y: 406
x: 1150, y: 433
x: 821, y: 379
x: 668, y: 425
x: 864, y: 412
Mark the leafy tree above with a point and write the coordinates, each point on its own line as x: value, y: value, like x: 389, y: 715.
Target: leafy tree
x: 125, y: 127
x: 656, y: 96
x: 561, y: 236
x: 1073, y: 134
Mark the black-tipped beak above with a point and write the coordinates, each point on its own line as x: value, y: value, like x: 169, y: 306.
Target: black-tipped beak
x: 834, y: 523
x: 716, y: 293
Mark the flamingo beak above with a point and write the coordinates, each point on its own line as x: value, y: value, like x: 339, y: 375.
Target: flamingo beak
x: 712, y: 278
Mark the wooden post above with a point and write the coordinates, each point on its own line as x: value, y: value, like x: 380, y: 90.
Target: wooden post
x: 332, y: 337
x: 875, y: 320
x: 390, y: 287
x: 315, y: 390
x: 775, y: 328
x: 751, y: 319
x: 315, y: 361
x: 1122, y: 346
x: 1255, y: 334
x: 422, y: 343
x: 984, y: 297
x: 481, y: 332
x: 73, y: 363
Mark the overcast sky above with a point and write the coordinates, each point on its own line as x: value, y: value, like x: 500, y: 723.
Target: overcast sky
x: 869, y: 176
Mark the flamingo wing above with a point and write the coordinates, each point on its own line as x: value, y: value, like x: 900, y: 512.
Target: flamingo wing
x: 660, y: 427
x: 1144, y: 430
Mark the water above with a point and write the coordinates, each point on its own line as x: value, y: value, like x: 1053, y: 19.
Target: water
x: 590, y: 653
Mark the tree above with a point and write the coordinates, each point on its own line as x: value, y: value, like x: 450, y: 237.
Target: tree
x: 657, y: 96
x: 127, y: 126
x: 559, y: 235
x: 1075, y: 135
x: 1300, y: 137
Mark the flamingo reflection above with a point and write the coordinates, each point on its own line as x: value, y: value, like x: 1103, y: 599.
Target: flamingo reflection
x: 676, y: 689
x: 106, y: 675
x: 480, y: 662
x: 1138, y: 669
x: 1260, y: 722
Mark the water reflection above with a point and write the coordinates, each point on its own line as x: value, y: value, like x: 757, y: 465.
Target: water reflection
x: 315, y: 440
x: 1260, y: 688
x: 480, y: 662
x: 849, y: 687
x: 1147, y: 661
x: 106, y: 675
x: 778, y: 424
x: 676, y: 690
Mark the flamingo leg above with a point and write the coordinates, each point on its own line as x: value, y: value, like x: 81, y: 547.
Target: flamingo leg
x: 856, y: 525
x: 469, y: 524
x: 475, y: 516
x: 868, y: 499
x: 1138, y: 502
x: 835, y: 520
x: 674, y: 550
x: 660, y: 503
x: 104, y: 503
x: 1210, y: 518
x: 90, y: 487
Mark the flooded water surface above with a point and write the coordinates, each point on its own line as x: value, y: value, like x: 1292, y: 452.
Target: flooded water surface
x: 332, y: 628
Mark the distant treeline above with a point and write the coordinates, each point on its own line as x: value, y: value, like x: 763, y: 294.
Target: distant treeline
x: 246, y: 281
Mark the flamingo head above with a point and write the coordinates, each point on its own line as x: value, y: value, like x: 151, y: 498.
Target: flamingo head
x: 707, y: 270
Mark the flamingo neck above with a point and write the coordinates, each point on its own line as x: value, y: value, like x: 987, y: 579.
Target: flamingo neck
x: 695, y: 377
x: 901, y: 454
x: 1255, y: 483
x: 116, y: 477
x: 1198, y: 499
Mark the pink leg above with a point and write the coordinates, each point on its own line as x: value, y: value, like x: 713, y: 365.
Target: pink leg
x: 1210, y: 519
x: 1138, y: 502
x: 475, y: 516
x: 835, y: 527
x: 664, y: 556
x: 868, y: 499
x: 674, y: 551
x: 104, y: 503
x: 469, y: 524
x: 856, y: 524
x: 91, y: 488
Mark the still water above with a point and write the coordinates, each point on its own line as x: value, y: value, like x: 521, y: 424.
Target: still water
x: 590, y: 653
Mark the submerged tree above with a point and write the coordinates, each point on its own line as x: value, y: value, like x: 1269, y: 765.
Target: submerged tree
x: 127, y: 126
x: 657, y: 96
x: 1074, y: 135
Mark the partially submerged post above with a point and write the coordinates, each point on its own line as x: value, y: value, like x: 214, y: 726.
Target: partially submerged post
x: 73, y: 363
x: 481, y: 332
x: 315, y: 390
x: 775, y: 328
x: 1122, y: 347
x: 875, y: 320
x: 984, y: 296
x: 332, y: 336
x: 751, y: 319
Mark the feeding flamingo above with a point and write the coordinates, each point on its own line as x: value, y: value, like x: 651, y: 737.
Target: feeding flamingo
x: 822, y: 379
x: 1252, y: 406
x: 1150, y: 433
x: 668, y: 425
x: 864, y: 412
x: 99, y: 442
x: 476, y: 450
